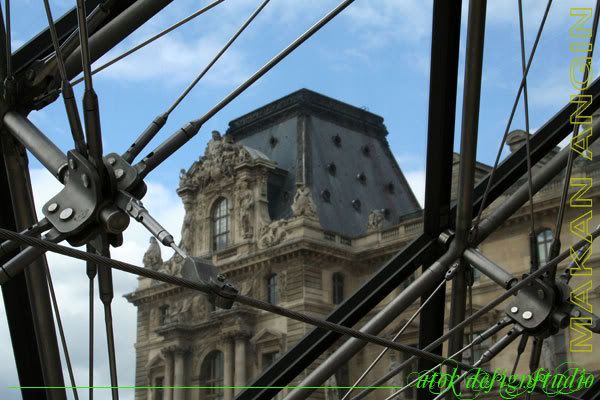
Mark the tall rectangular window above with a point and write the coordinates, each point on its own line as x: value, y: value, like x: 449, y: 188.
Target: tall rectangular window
x: 272, y: 289
x: 337, y: 290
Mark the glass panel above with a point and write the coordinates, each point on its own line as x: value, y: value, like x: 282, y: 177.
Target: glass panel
x: 272, y: 289
x: 212, y: 376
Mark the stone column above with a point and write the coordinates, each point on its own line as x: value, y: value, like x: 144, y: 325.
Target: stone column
x: 179, y: 374
x: 228, y: 355
x: 168, y: 380
x: 240, y: 362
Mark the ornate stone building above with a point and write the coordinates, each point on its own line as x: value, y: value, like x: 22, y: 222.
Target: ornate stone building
x: 297, y: 204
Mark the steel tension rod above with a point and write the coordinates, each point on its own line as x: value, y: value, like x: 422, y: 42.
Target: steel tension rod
x: 187, y: 132
x: 157, y: 124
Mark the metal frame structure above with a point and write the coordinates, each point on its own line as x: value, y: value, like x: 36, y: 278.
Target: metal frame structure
x: 104, y: 191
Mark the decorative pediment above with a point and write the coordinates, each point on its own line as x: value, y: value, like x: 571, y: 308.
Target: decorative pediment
x: 219, y: 162
x: 154, y: 362
x: 267, y: 336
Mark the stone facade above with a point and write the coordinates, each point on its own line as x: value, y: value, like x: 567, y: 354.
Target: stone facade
x: 295, y: 262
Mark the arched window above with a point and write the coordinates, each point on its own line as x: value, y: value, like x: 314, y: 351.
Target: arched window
x: 337, y: 288
x: 272, y: 290
x: 221, y: 225
x: 211, y: 376
x: 158, y: 388
x: 544, y: 240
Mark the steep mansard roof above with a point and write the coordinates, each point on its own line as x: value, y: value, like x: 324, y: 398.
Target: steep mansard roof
x: 339, y: 151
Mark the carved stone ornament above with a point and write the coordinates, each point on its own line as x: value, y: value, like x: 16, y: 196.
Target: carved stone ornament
x: 181, y: 311
x: 152, y: 258
x: 245, y: 206
x: 248, y: 286
x: 303, y: 204
x: 272, y: 234
x: 173, y: 265
x: 376, y: 218
x: 221, y: 156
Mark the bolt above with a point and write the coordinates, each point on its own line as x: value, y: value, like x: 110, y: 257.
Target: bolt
x: 514, y: 309
x: 119, y: 173
x: 527, y: 315
x: 86, y: 180
x: 66, y: 214
x: 576, y: 313
x: 221, y: 278
x: 30, y: 74
x: 112, y: 160
x: 72, y: 163
x: 541, y: 294
x: 52, y: 207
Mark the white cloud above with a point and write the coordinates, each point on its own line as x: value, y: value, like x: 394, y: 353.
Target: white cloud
x: 174, y: 60
x: 71, y: 284
x: 416, y: 180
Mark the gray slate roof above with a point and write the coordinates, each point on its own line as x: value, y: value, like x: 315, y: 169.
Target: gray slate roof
x: 333, y: 148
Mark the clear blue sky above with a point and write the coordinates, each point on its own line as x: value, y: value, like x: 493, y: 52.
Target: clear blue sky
x: 374, y: 55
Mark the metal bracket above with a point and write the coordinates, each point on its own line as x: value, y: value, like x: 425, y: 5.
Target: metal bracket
x: 126, y: 176
x: 201, y: 270
x: 76, y: 205
x: 532, y: 306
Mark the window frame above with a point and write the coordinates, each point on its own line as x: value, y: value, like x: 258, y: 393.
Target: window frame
x: 338, y: 282
x: 546, y: 242
x: 220, y: 215
x: 213, y: 374
x: 272, y: 288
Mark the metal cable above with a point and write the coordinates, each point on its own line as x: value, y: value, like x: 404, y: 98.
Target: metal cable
x: 61, y: 331
x: 520, y: 350
x: 186, y: 133
x: 565, y: 189
x: 219, y: 54
x: 83, y: 40
x: 382, y: 353
x: 409, y: 384
x: 91, y: 339
x: 490, y: 306
x: 209, y: 289
x: 526, y: 109
x: 156, y: 125
x: 472, y: 324
x: 67, y: 89
x: 152, y: 39
x: 512, y: 115
x: 205, y: 288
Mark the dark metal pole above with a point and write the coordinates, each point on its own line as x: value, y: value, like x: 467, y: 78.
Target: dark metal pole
x: 22, y: 202
x: 37, y: 143
x: 458, y: 306
x: 183, y: 135
x: 405, y: 262
x: 539, y: 180
x: 116, y: 30
x: 18, y: 309
x: 156, y: 125
x: 445, y: 43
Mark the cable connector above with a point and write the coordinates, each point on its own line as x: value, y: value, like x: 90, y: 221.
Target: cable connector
x: 200, y: 270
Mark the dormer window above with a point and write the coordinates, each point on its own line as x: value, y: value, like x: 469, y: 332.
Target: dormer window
x: 221, y: 224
